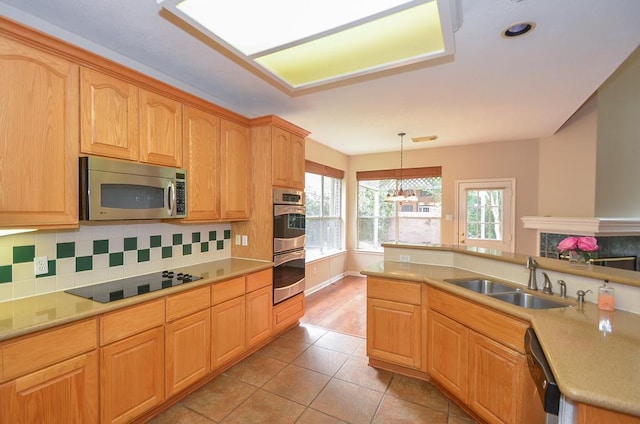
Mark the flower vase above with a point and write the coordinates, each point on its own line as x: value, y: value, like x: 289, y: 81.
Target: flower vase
x: 578, y: 258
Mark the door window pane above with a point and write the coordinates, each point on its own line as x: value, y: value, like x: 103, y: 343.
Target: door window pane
x: 484, y: 214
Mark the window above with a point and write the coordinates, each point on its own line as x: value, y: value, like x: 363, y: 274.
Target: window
x: 380, y: 221
x: 323, y: 192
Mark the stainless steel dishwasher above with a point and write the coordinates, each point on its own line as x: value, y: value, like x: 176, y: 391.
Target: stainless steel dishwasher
x: 543, y: 377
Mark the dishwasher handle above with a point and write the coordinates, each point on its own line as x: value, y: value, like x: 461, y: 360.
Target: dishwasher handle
x: 541, y: 373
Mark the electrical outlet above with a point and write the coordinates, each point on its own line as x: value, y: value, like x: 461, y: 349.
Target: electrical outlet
x: 40, y: 265
x: 245, y: 240
x: 405, y: 258
x: 238, y: 239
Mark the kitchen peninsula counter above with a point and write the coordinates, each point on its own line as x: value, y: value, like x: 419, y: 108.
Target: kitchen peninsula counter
x: 28, y: 315
x: 594, y: 355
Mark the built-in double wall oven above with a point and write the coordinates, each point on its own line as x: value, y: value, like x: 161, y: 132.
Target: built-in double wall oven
x: 288, y: 243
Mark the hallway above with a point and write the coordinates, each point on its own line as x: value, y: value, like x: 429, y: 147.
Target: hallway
x: 317, y: 373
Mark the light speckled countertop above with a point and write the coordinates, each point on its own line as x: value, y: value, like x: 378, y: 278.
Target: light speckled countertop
x: 31, y: 314
x: 591, y: 364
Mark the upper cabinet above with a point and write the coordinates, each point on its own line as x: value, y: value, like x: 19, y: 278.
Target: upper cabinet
x: 38, y: 138
x: 109, y: 121
x: 217, y: 154
x: 287, y: 151
x: 122, y: 121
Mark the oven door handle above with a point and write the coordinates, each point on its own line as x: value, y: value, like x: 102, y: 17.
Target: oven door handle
x: 288, y: 209
x: 287, y: 257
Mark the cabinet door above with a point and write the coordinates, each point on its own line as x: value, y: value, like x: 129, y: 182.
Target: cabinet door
x: 202, y: 162
x: 38, y: 138
x: 259, y: 304
x: 297, y: 162
x: 235, y: 166
x: 227, y: 331
x: 589, y: 414
x: 188, y: 351
x: 393, y: 332
x: 160, y: 130
x: 281, y: 157
x: 132, y: 376
x: 495, y: 384
x: 109, y: 122
x: 66, y: 392
x: 447, y: 353
x: 288, y: 313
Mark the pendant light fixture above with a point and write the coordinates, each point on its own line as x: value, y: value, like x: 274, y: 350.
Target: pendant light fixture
x: 399, y: 195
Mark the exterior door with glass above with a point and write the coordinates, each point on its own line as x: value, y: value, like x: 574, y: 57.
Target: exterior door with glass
x: 486, y: 211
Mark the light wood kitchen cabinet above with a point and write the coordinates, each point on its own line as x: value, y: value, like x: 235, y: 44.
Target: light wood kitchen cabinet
x: 235, y: 171
x: 286, y: 314
x: 259, y: 304
x: 496, y: 380
x: 589, y: 414
x: 227, y: 331
x: 38, y: 138
x: 288, y: 159
x: 123, y: 121
x: 485, y: 348
x: 217, y: 158
x: 160, y: 129
x: 132, y: 363
x: 394, y: 322
x: 51, y: 377
x: 109, y: 116
x: 447, y: 354
x: 187, y: 339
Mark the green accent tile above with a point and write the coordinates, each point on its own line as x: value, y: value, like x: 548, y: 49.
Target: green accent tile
x: 130, y: 243
x: 177, y: 239
x: 52, y: 269
x: 6, y: 274
x: 167, y: 252
x: 143, y: 255
x: 66, y: 250
x: 186, y: 249
x: 84, y: 263
x: 100, y: 246
x: 212, y: 235
x: 204, y: 246
x: 155, y: 241
x: 220, y: 245
x: 23, y: 254
x: 116, y: 259
x: 227, y: 234
x: 195, y: 237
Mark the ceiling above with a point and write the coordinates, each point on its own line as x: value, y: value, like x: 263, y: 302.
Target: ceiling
x: 494, y: 88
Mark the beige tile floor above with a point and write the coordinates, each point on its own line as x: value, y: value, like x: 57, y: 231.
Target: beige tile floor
x: 311, y: 375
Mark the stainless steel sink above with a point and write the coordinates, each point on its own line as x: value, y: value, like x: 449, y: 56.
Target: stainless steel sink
x: 527, y: 300
x: 482, y: 286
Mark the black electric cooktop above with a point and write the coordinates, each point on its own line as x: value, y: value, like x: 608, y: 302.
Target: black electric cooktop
x: 133, y: 286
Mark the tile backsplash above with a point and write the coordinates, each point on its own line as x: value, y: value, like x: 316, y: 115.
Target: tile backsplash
x: 98, y: 253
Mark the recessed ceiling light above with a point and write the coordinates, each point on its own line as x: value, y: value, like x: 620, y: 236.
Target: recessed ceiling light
x: 520, y: 28
x: 315, y: 42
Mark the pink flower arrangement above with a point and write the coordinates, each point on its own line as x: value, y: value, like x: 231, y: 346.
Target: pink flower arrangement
x: 582, y: 246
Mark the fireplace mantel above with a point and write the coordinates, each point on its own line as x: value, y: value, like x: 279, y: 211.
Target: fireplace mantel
x: 584, y: 226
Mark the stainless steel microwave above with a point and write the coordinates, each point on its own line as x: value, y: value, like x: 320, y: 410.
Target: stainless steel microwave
x: 119, y: 190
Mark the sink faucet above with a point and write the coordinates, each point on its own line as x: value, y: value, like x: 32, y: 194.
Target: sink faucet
x: 532, y: 265
x: 563, y: 288
x: 546, y: 288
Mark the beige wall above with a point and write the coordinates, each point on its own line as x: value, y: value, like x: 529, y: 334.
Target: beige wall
x: 618, y: 149
x: 567, y: 165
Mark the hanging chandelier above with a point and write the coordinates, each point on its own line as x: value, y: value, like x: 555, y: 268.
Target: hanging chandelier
x: 399, y: 195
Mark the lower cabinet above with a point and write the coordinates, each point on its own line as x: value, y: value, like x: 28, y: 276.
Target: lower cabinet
x: 394, y: 322
x: 227, y: 331
x: 589, y: 414
x: 447, y: 354
x: 66, y: 392
x: 44, y: 380
x: 132, y: 376
x: 288, y: 313
x: 259, y: 304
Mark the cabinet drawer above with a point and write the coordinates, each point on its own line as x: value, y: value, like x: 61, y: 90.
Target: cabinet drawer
x: 183, y: 304
x: 288, y: 312
x: 493, y: 324
x: 221, y: 292
x: 49, y: 347
x: 121, y: 324
x: 260, y: 279
x: 394, y: 290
